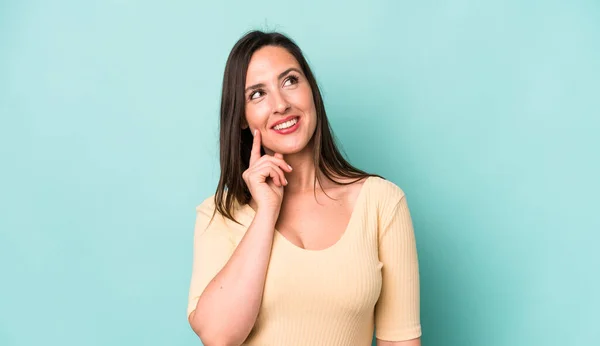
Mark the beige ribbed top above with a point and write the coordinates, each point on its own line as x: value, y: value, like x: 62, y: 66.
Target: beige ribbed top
x: 335, y: 296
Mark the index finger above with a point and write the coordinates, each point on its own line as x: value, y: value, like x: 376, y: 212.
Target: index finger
x: 255, y: 153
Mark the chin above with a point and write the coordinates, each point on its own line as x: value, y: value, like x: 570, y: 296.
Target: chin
x: 289, y: 149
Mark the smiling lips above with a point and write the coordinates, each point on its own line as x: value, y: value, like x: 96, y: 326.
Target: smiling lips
x: 287, y: 125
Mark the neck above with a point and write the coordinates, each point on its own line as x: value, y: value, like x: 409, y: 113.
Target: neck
x: 302, y: 177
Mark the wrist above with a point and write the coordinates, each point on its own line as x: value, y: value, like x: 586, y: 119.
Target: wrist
x: 269, y: 215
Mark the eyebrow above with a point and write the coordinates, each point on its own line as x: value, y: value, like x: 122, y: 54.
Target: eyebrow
x: 281, y: 75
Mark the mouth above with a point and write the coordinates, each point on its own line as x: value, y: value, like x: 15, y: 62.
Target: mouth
x: 287, y: 125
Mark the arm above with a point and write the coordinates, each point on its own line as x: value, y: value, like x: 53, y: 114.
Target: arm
x: 397, y: 313
x: 228, y: 307
x: 413, y: 342
x: 229, y: 304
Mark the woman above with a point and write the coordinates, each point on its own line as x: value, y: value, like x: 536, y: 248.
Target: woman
x: 297, y: 247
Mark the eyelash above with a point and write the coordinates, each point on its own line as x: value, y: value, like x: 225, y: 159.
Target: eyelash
x: 293, y: 78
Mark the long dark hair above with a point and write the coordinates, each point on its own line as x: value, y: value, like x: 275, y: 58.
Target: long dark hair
x: 236, y: 143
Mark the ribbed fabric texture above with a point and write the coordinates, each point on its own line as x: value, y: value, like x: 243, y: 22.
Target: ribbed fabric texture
x: 336, y: 296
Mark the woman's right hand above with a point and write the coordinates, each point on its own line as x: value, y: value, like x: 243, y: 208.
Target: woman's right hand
x: 265, y: 177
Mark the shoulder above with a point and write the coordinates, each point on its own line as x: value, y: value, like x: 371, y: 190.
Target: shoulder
x: 385, y: 192
x: 207, y: 206
x: 386, y: 197
x: 209, y: 219
x: 205, y: 213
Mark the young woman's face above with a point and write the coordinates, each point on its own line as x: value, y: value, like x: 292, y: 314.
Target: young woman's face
x: 279, y: 101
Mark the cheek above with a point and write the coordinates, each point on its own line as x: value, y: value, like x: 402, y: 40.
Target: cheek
x: 308, y: 105
x: 256, y: 116
x: 303, y: 100
x: 307, y: 99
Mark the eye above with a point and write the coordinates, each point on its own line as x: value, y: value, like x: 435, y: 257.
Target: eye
x: 255, y: 94
x: 292, y: 79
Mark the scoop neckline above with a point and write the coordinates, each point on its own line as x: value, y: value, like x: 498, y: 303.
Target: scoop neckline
x: 357, y: 203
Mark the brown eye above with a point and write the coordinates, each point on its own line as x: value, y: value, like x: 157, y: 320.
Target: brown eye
x: 255, y: 94
x: 291, y: 80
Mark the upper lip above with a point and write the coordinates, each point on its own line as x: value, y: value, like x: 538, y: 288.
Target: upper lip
x: 284, y: 120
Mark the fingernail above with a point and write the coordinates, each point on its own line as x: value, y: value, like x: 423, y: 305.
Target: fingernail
x: 255, y: 132
x: 285, y: 181
x: 290, y: 167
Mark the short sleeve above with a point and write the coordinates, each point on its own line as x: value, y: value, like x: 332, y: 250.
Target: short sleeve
x: 397, y: 313
x: 212, y: 249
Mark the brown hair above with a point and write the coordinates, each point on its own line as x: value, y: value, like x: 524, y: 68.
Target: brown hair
x: 236, y: 143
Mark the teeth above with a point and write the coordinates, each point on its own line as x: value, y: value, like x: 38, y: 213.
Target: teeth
x: 286, y: 124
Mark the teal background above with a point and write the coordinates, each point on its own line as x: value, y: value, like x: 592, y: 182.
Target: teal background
x: 485, y: 112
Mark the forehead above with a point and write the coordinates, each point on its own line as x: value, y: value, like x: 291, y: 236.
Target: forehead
x: 268, y: 62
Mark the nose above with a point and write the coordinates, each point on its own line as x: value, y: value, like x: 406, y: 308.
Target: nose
x: 280, y: 103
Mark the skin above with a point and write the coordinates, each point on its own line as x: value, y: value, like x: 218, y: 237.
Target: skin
x: 278, y: 97
x: 276, y: 89
x: 281, y: 184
